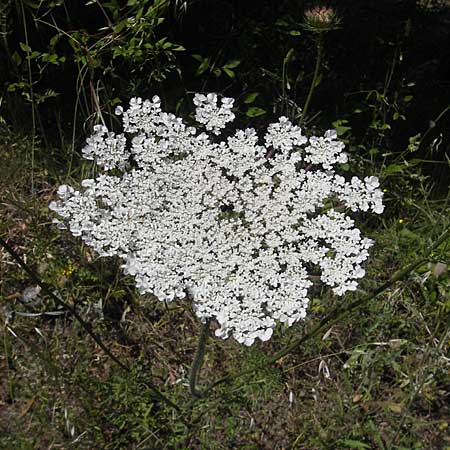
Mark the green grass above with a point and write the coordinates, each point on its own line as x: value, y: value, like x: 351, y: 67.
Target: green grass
x: 379, y: 379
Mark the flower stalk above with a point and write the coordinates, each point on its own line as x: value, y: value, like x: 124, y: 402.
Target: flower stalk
x: 198, y: 360
x: 315, y: 78
x: 319, y: 20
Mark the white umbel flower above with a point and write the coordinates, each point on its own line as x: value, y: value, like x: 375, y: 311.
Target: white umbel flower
x: 326, y: 150
x: 212, y: 116
x: 237, y: 231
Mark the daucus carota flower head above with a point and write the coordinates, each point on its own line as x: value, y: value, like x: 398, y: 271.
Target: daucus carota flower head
x: 219, y: 221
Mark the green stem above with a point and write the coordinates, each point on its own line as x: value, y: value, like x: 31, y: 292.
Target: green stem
x: 336, y: 315
x: 197, y: 362
x: 314, y: 80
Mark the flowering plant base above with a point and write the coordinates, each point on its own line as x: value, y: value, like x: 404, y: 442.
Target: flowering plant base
x: 235, y: 224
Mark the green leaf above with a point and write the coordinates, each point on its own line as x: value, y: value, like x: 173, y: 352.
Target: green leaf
x: 16, y: 58
x: 414, y: 142
x: 121, y: 25
x: 341, y: 130
x: 229, y: 72
x: 203, y: 66
x: 408, y: 98
x: 395, y: 407
x: 232, y: 64
x: 294, y: 33
x: 281, y: 23
x: 340, y: 127
x: 394, y: 168
x: 354, y: 444
x: 26, y: 48
x: 52, y: 59
x: 410, y: 235
x: 250, y: 98
x: 255, y: 112
x: 161, y: 42
x: 16, y: 86
x: 288, y: 56
x: 54, y: 40
x: 377, y: 125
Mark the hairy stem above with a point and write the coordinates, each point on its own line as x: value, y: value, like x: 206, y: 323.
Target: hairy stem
x: 314, y: 80
x: 197, y: 362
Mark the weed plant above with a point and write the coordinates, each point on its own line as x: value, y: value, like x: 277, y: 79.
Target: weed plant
x: 376, y: 379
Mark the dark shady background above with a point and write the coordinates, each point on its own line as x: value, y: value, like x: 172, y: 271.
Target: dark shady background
x: 384, y: 76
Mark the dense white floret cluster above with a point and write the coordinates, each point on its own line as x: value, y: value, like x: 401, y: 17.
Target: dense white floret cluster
x: 237, y: 226
x: 209, y: 114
